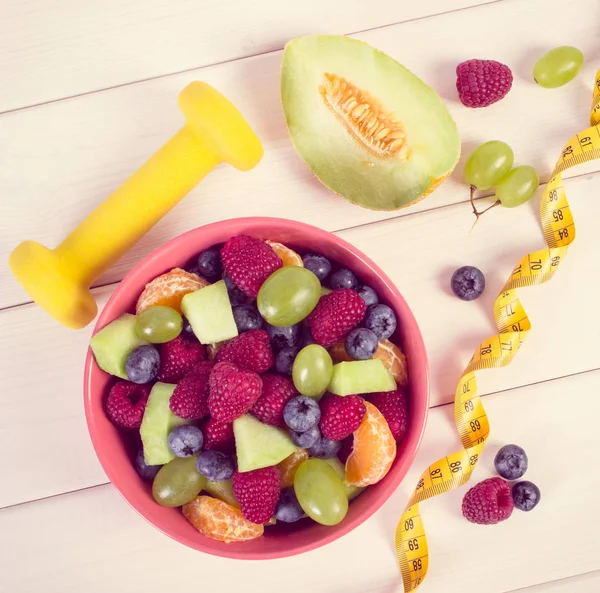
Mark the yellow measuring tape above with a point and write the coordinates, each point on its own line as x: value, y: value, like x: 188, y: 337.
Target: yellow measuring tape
x: 513, y: 326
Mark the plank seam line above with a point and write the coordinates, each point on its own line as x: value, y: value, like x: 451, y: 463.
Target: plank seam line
x: 574, y: 576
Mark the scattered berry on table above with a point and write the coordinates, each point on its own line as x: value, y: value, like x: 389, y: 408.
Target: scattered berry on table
x: 236, y: 296
x: 209, y: 264
x: 215, y: 466
x: 343, y: 278
x: 284, y: 337
x: 284, y: 360
x: 187, y: 330
x: 346, y: 448
x: 190, y: 397
x: 232, y: 391
x: 394, y: 407
x: 368, y: 295
x: 306, y: 439
x: 142, y: 364
x: 488, y: 502
x: 468, y: 283
x: 257, y: 491
x: 125, y: 404
x: 361, y: 343
x: 335, y: 315
x: 288, y: 508
x: 146, y: 472
x: 249, y: 262
x: 247, y: 317
x: 381, y: 320
x: 185, y: 440
x: 177, y: 357
x: 218, y: 435
x: 525, y: 495
x: 482, y: 82
x: 511, y: 462
x: 325, y: 448
x: 301, y: 413
x: 276, y: 392
x: 318, y: 264
x: 340, y: 416
x: 250, y: 350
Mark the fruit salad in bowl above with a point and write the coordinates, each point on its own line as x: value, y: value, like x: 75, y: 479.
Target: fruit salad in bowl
x: 256, y: 388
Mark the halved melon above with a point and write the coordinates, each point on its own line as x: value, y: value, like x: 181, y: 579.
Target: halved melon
x: 367, y: 127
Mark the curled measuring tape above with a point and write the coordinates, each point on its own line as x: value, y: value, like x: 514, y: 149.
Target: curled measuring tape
x: 513, y: 325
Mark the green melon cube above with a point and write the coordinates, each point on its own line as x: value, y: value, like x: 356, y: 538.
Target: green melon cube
x: 361, y: 376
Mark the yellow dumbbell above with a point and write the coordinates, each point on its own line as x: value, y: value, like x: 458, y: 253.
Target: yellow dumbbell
x: 59, y: 279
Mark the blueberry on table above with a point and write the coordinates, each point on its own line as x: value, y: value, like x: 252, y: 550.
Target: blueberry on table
x: 343, y: 278
x: 142, y: 364
x: 525, y: 495
x: 215, y: 465
x: 288, y: 508
x: 147, y: 472
x: 361, y: 343
x: 209, y: 264
x: 368, y: 295
x: 511, y: 462
x: 285, y: 336
x: 284, y: 360
x: 468, y: 283
x: 381, y: 320
x: 318, y: 264
x: 301, y: 413
x: 185, y: 440
x: 247, y: 318
x: 306, y: 439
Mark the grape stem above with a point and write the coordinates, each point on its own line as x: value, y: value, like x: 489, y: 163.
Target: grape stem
x: 476, y: 212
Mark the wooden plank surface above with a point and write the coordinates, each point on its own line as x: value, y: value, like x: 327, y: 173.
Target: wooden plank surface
x: 91, y: 541
x: 584, y: 583
x: 60, y: 160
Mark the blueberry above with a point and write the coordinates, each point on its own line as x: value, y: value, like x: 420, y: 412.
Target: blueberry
x: 511, y: 462
x: 142, y: 364
x: 147, y: 472
x: 247, y: 318
x: 301, y: 413
x: 209, y: 264
x: 468, y: 283
x: 343, y: 278
x: 361, y: 343
x: 380, y: 319
x: 187, y: 330
x: 318, y: 264
x: 526, y: 495
x: 307, y: 337
x: 215, y: 465
x: 288, y: 508
x: 325, y: 449
x: 185, y: 440
x: 284, y: 360
x: 236, y: 296
x: 367, y: 294
x: 284, y: 337
x: 306, y: 439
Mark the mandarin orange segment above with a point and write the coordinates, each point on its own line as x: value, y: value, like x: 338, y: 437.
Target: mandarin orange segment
x: 373, y: 452
x: 288, y: 467
x: 218, y: 520
x: 392, y: 357
x: 169, y: 289
x: 288, y: 256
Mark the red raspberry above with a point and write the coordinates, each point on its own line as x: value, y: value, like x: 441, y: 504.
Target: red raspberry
x: 250, y: 350
x: 249, y: 262
x: 482, y: 82
x: 189, y: 400
x: 126, y: 403
x: 218, y: 435
x: 340, y: 416
x: 177, y: 358
x: 335, y: 315
x: 257, y: 492
x: 488, y: 502
x: 346, y: 449
x: 394, y: 407
x: 233, y: 391
x: 276, y: 391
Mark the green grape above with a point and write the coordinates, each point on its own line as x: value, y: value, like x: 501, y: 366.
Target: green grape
x: 312, y: 370
x: 177, y: 482
x: 159, y: 324
x: 288, y: 295
x: 517, y: 187
x: 320, y: 492
x: 559, y: 66
x: 488, y: 164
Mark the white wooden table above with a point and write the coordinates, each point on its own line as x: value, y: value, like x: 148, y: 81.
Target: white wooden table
x: 88, y: 90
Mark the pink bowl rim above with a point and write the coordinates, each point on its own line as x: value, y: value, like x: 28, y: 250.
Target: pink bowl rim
x: 385, y: 488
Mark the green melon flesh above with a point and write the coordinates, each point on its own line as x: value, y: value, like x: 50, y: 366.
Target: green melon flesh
x: 113, y: 344
x: 209, y: 312
x: 338, y: 159
x: 361, y: 376
x: 259, y: 445
x: 157, y: 424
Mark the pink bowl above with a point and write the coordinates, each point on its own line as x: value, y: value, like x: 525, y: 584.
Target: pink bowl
x: 116, y: 456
